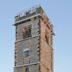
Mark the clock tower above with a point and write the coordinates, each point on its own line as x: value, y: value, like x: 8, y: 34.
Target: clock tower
x: 34, y: 42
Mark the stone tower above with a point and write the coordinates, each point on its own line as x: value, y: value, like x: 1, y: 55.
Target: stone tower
x: 33, y: 45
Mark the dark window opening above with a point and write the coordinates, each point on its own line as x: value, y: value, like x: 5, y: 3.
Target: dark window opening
x: 27, y: 32
x: 48, y: 26
x: 47, y: 39
x: 16, y: 31
x: 15, y: 63
x: 27, y: 69
x: 35, y: 17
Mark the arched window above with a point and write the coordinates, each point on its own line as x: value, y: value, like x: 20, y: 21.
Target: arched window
x: 46, y: 37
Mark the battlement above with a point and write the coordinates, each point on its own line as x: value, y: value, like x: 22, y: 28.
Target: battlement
x: 28, y: 13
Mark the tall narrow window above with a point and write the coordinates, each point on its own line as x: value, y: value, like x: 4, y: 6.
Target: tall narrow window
x: 27, y: 69
x: 16, y: 31
x: 46, y: 37
x: 26, y: 32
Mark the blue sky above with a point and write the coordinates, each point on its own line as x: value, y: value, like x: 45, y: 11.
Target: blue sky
x: 60, y: 14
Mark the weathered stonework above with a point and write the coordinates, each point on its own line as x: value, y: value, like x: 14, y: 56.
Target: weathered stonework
x: 39, y: 43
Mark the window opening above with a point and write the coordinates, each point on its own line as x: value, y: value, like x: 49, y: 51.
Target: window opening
x: 26, y: 52
x: 27, y: 32
x: 27, y: 69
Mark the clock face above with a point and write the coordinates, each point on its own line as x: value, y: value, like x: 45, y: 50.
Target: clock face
x: 26, y: 52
